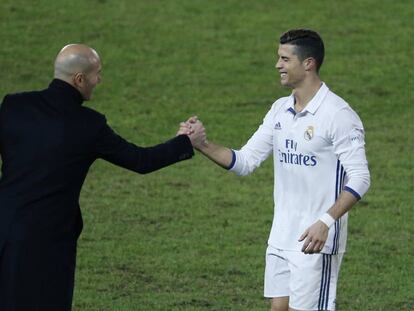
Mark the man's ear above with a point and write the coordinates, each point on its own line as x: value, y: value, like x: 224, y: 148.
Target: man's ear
x: 78, y: 79
x: 310, y: 64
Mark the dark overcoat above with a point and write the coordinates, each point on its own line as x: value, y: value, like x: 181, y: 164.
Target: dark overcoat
x: 48, y: 141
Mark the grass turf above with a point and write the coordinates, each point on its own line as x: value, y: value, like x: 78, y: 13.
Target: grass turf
x: 192, y: 236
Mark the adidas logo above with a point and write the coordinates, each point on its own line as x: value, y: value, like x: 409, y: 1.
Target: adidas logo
x: 278, y: 126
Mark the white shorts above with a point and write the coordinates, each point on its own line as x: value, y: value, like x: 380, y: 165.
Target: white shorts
x: 308, y: 280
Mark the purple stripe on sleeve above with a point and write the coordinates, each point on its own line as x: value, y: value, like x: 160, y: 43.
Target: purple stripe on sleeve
x: 233, y: 160
x: 352, y: 191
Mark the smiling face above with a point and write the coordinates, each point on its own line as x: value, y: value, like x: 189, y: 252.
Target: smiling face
x: 291, y: 69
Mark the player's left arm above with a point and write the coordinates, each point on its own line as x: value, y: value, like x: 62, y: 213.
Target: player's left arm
x: 349, y: 145
x: 317, y: 234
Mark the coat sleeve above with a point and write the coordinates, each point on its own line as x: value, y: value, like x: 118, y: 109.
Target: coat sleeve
x: 113, y: 148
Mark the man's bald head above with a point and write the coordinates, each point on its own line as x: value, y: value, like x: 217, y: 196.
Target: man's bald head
x: 74, y: 58
x: 80, y: 66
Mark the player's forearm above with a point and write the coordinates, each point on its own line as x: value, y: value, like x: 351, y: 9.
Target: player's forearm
x: 223, y: 156
x: 343, y: 204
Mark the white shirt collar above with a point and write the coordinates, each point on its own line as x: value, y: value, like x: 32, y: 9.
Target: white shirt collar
x: 314, y: 103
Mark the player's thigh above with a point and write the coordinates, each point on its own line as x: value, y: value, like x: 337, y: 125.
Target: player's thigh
x: 313, y: 281
x: 277, y: 274
x: 279, y: 304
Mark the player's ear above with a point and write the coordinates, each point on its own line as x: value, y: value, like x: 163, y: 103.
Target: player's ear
x: 309, y: 64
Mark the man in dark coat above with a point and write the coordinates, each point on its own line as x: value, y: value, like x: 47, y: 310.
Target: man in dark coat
x: 48, y: 141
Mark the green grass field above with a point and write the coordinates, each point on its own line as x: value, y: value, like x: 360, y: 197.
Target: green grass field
x: 192, y: 236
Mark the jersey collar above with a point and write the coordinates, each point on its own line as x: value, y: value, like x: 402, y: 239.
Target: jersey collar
x: 313, y: 105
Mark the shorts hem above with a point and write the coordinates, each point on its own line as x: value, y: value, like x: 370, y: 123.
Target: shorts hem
x: 299, y: 250
x: 275, y: 296
x: 301, y: 309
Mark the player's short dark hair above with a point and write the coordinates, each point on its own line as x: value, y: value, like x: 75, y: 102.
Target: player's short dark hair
x: 308, y: 43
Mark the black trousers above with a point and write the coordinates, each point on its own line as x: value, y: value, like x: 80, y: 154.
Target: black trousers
x: 37, y: 276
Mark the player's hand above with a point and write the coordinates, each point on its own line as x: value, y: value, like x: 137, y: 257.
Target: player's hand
x: 195, y: 131
x: 315, y: 237
x: 185, y: 127
x: 192, y: 120
x: 198, y: 135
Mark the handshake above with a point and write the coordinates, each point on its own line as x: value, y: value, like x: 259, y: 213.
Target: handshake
x: 195, y: 130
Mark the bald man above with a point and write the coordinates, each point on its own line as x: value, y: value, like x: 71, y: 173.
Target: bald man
x: 48, y: 141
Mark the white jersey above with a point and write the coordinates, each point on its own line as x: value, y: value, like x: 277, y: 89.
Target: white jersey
x: 317, y: 153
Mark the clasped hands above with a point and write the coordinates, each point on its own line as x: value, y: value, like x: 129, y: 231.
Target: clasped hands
x: 195, y: 130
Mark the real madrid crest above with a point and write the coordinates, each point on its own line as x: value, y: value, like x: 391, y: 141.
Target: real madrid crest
x: 308, y: 135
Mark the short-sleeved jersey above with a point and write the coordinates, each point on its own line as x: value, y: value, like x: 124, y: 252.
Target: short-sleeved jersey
x: 318, y: 153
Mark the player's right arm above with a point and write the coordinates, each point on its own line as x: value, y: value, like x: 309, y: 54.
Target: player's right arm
x: 222, y: 156
x: 249, y: 157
